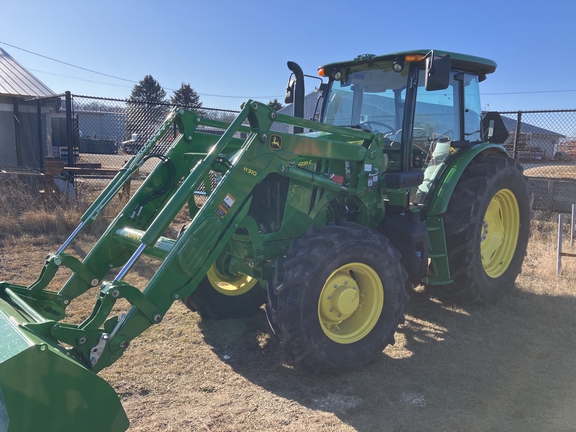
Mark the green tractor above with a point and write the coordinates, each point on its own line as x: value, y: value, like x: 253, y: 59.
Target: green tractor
x: 402, y: 179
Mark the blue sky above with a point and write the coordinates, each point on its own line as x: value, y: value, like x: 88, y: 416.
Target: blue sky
x: 229, y: 51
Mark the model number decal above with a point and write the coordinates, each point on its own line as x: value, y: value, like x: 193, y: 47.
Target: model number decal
x: 250, y: 171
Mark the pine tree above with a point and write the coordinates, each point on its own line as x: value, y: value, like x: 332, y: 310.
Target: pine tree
x: 275, y: 105
x: 186, y: 97
x: 148, y: 90
x: 146, y: 109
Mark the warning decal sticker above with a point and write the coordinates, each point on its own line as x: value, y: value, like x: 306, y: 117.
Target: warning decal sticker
x: 225, y: 205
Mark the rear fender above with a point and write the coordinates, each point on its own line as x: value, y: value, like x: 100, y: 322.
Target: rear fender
x: 448, y: 180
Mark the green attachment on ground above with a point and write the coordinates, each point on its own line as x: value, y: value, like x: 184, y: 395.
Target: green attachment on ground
x: 43, y: 389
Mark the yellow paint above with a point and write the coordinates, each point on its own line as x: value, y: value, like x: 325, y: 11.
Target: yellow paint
x: 349, y: 307
x: 499, y: 233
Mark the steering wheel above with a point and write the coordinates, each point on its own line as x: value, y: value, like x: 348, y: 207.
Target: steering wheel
x: 369, y: 123
x: 448, y: 135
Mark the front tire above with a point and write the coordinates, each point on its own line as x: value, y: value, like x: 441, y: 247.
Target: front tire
x: 337, y: 297
x: 487, y: 229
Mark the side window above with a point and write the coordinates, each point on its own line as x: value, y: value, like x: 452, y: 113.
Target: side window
x: 436, y: 124
x: 472, y: 109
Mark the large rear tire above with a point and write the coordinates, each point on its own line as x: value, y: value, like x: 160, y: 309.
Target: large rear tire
x: 337, y: 297
x: 220, y: 297
x: 487, y: 229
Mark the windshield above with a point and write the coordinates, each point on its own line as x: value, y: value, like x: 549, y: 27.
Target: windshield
x: 370, y: 99
x: 377, y: 99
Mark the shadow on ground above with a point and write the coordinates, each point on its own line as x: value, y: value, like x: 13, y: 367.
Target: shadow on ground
x: 508, y: 367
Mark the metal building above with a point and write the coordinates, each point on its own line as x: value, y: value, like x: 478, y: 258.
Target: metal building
x: 23, y: 132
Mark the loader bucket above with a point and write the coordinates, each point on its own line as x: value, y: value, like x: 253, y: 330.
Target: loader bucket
x: 42, y: 389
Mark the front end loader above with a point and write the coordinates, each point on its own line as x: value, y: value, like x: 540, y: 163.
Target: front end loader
x: 402, y: 179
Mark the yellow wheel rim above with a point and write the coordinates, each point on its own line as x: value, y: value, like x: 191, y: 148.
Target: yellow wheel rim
x: 499, y: 233
x: 350, y: 303
x: 230, y: 286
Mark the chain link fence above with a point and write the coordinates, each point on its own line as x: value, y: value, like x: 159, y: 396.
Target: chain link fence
x: 96, y: 136
x: 544, y: 143
x: 76, y: 144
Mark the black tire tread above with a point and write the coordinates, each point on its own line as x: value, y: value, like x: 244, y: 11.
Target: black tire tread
x: 288, y: 292
x: 480, y: 181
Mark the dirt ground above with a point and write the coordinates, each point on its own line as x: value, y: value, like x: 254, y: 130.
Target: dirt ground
x: 508, y: 367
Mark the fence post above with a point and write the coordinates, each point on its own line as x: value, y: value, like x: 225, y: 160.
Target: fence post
x: 518, y: 126
x: 69, y: 129
x: 41, y: 152
x: 17, y: 132
x: 572, y: 226
x: 559, y: 256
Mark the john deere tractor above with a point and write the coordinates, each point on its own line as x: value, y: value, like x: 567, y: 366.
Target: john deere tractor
x: 401, y: 179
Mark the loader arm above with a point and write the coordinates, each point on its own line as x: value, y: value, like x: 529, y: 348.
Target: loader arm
x: 212, y: 227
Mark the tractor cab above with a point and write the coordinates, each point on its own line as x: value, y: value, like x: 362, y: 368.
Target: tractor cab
x: 425, y: 103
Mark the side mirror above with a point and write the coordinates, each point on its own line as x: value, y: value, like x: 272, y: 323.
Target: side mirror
x: 493, y: 128
x: 437, y: 71
x: 289, y: 98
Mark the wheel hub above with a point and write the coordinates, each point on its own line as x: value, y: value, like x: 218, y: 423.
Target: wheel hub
x: 344, y: 299
x: 230, y: 285
x: 350, y: 303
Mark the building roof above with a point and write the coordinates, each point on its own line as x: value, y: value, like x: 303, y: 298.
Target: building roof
x: 16, y: 80
x: 511, y: 125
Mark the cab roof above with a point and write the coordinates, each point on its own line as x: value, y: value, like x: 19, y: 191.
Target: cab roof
x: 476, y: 65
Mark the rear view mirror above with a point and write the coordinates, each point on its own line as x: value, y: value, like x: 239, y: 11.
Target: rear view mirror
x: 493, y: 128
x: 289, y: 98
x: 437, y: 71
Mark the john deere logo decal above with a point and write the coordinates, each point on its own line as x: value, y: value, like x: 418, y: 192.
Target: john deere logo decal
x: 275, y: 142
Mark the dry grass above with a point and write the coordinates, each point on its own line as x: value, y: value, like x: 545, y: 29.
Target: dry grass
x: 508, y: 367
x: 28, y: 214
